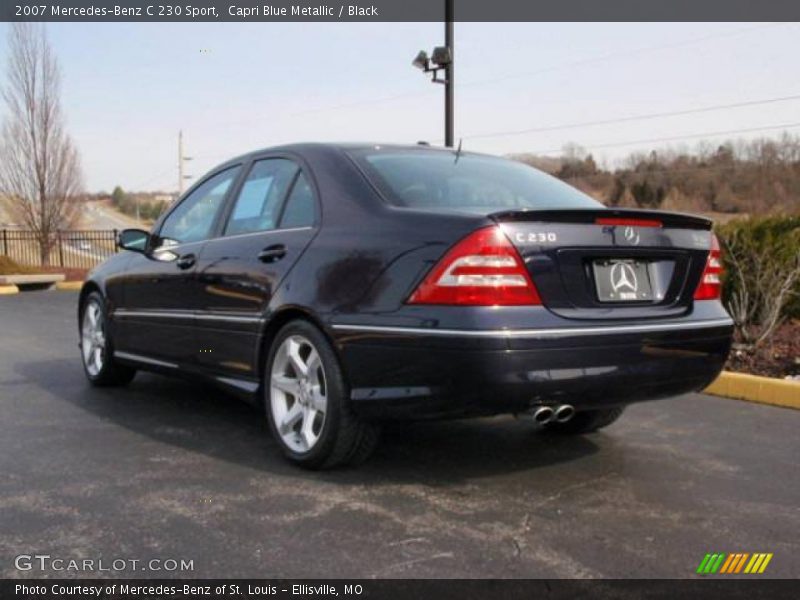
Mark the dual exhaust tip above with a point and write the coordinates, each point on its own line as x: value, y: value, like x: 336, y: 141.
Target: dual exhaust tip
x: 559, y: 414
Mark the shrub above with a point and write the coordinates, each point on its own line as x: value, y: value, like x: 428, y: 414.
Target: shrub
x: 762, y: 281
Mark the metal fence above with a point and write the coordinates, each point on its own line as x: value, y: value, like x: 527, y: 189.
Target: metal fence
x: 72, y: 249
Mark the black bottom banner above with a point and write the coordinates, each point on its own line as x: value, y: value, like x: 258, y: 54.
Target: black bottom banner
x: 462, y: 589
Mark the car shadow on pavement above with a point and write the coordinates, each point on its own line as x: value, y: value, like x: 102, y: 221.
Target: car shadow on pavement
x: 204, y: 420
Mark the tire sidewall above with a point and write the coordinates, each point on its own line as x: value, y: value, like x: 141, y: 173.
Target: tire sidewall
x: 336, y: 391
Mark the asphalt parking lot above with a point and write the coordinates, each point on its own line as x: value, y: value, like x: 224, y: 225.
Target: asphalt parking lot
x: 170, y: 469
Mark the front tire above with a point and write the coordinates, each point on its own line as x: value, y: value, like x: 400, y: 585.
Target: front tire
x: 307, y: 402
x: 586, y: 421
x: 97, y: 350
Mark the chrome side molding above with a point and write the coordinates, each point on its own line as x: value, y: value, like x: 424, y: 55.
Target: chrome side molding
x: 555, y: 332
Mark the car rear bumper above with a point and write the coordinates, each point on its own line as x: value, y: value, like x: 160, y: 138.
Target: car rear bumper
x: 405, y: 372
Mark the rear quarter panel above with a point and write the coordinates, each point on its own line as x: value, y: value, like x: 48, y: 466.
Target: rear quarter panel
x: 368, y: 256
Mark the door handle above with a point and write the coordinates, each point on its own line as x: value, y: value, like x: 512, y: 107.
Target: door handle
x: 186, y: 261
x: 272, y: 253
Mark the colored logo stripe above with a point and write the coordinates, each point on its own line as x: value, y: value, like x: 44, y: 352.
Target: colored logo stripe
x: 737, y: 562
x: 757, y: 558
x: 758, y: 563
x: 727, y: 565
x: 711, y: 563
x: 703, y: 563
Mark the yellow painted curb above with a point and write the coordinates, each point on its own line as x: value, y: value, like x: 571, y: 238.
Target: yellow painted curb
x: 70, y: 286
x: 779, y: 392
x: 7, y: 290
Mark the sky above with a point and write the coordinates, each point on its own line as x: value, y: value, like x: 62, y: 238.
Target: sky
x: 128, y: 88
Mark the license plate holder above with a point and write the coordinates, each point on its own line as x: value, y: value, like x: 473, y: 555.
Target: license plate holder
x: 622, y: 280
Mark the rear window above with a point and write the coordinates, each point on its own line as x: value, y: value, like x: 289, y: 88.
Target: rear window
x: 435, y: 180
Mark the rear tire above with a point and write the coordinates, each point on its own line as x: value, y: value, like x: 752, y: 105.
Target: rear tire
x: 307, y: 401
x: 586, y: 421
x: 97, y: 347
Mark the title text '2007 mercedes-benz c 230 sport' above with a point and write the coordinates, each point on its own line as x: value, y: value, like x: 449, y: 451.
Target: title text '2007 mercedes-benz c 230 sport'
x: 343, y: 285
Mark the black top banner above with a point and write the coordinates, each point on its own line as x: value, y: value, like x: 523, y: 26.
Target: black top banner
x: 399, y: 10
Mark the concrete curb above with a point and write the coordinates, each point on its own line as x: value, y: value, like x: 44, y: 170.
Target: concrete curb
x: 766, y: 390
x: 7, y: 290
x: 69, y: 286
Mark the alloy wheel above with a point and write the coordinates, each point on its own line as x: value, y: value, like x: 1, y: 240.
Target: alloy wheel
x: 298, y: 393
x: 93, y: 339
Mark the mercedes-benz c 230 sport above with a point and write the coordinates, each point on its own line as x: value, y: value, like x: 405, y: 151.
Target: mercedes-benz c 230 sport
x: 343, y: 285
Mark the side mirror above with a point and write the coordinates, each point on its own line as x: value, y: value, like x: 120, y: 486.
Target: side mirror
x: 133, y: 239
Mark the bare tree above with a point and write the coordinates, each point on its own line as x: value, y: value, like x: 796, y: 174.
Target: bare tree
x: 39, y: 165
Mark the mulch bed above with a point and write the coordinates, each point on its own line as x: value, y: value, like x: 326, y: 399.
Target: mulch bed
x: 778, y: 358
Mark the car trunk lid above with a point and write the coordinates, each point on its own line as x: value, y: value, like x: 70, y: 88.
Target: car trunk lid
x: 611, y: 263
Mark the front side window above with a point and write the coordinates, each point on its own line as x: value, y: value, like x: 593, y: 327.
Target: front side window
x: 259, y: 202
x: 193, y: 219
x: 430, y: 179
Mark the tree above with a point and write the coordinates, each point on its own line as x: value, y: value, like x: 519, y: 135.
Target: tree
x: 118, y: 196
x: 39, y: 165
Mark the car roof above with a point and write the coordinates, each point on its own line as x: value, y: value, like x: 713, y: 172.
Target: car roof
x: 304, y: 147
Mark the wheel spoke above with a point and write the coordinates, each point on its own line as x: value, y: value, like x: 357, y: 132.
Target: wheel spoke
x: 319, y: 401
x: 92, y: 311
x: 87, y: 350
x: 300, y: 366
x: 307, y: 430
x: 290, y: 419
x: 312, y: 362
x: 97, y: 359
x: 287, y: 385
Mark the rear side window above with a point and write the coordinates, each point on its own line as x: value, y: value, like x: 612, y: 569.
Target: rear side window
x: 300, y: 208
x: 259, y: 201
x: 426, y: 179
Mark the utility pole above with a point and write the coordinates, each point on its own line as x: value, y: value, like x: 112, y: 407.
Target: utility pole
x: 448, y: 74
x: 181, y: 160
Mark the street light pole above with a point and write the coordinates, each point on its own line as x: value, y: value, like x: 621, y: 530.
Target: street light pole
x: 441, y: 60
x: 448, y: 86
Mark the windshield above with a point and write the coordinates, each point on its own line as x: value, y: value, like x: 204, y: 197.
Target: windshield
x: 423, y: 179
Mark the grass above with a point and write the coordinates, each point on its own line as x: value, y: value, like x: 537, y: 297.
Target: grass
x: 9, y: 267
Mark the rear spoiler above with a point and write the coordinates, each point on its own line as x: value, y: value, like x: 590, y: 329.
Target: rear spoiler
x: 592, y: 215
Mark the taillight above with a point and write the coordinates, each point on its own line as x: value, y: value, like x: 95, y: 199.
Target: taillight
x: 483, y: 269
x: 710, y: 287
